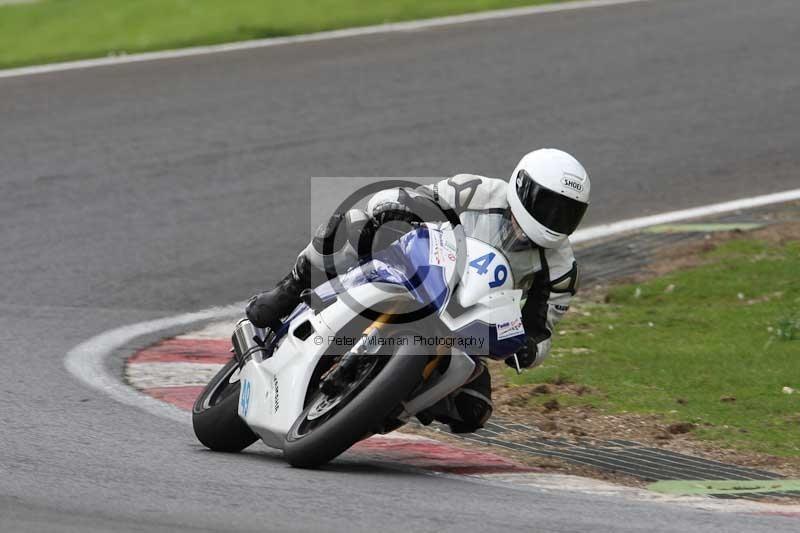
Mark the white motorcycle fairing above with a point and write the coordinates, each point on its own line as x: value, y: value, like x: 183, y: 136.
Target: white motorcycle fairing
x: 418, y: 267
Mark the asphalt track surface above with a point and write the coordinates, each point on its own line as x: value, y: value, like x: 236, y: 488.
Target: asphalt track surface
x: 138, y: 191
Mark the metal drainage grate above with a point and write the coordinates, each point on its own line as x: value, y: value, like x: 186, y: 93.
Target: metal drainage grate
x: 619, y: 456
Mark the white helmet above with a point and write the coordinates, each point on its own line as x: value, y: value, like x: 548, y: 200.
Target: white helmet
x: 548, y: 193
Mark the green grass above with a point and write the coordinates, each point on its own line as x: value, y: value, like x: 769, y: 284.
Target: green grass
x: 59, y: 30
x: 679, y: 344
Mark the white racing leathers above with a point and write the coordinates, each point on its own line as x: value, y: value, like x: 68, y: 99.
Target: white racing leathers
x: 548, y: 276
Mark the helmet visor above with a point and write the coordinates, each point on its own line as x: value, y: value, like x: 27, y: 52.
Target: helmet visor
x: 549, y: 208
x: 511, y: 238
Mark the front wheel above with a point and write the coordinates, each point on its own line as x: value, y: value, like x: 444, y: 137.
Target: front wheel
x: 215, y: 414
x: 330, y: 424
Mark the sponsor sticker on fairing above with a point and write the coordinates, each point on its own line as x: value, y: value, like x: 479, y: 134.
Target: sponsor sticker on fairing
x: 509, y: 329
x: 436, y: 248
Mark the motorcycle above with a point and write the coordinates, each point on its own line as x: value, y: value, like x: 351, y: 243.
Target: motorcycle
x: 366, y: 351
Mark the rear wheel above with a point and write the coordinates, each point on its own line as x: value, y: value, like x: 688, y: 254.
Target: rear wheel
x: 215, y: 415
x: 331, y: 423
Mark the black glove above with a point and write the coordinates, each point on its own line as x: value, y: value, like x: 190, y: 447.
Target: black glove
x: 371, y: 238
x: 394, y: 211
x: 526, y: 356
x: 328, y: 238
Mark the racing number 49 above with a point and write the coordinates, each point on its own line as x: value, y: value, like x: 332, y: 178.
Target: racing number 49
x: 481, y: 265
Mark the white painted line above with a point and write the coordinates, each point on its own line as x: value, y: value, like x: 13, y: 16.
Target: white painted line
x: 14, y: 2
x: 625, y: 226
x: 413, y: 25
x: 87, y: 360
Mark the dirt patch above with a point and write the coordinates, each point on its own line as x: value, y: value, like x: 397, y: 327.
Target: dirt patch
x: 592, y: 425
x: 690, y: 254
x: 782, y: 227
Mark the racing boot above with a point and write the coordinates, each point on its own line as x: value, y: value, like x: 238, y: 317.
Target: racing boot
x: 467, y: 409
x: 267, y: 308
x: 328, y: 250
x: 473, y: 402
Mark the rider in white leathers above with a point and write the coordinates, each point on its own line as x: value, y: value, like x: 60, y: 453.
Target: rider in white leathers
x: 529, y: 218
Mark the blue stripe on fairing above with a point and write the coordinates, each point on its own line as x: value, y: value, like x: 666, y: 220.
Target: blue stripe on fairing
x: 406, y: 263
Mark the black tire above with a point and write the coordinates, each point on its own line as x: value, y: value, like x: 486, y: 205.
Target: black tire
x: 360, y: 416
x: 215, y: 415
